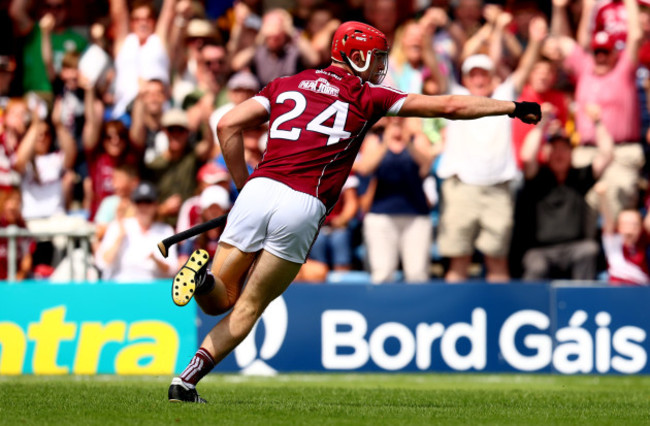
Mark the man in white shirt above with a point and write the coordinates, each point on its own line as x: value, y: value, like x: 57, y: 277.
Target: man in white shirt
x: 128, y: 251
x: 477, y: 165
x: 142, y: 47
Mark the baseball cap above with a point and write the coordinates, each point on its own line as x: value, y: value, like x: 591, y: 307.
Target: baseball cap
x: 212, y: 174
x: 144, y: 192
x: 602, y: 41
x: 243, y: 80
x: 214, y: 195
x: 560, y: 135
x: 478, y: 61
x: 175, y: 117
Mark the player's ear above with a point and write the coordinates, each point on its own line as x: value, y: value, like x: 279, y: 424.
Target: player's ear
x: 355, y: 57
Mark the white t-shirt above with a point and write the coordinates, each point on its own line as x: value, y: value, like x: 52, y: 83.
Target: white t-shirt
x: 132, y: 263
x: 480, y: 151
x: 148, y: 61
x: 42, y: 191
x: 216, y: 116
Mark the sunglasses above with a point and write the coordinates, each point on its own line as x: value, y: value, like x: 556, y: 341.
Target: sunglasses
x: 602, y: 51
x: 177, y: 129
x: 210, y: 62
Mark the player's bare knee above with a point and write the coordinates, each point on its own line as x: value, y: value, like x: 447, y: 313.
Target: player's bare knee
x: 246, y: 312
x: 243, y: 318
x: 215, y: 303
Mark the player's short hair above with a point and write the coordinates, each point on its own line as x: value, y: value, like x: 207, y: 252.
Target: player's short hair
x: 284, y: 18
x: 71, y: 60
x: 11, y: 192
x: 137, y: 4
x: 128, y: 169
x: 560, y: 137
x: 159, y: 81
x: 14, y: 102
x: 122, y: 130
x: 211, y: 42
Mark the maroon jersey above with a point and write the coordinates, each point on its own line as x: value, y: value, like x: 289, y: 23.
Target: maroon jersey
x: 100, y: 169
x: 318, y: 119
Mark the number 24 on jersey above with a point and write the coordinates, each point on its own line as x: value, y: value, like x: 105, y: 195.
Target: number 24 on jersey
x: 335, y: 133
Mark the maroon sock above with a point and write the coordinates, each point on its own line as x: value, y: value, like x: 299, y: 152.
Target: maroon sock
x: 201, y: 364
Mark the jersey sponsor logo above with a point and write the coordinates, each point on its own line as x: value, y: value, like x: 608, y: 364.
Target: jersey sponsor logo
x: 275, y: 319
x: 319, y: 86
x: 329, y: 74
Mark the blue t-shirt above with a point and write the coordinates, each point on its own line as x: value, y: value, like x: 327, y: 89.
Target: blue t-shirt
x: 399, y: 186
x: 107, y: 209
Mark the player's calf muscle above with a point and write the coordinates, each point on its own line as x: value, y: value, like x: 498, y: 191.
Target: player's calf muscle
x: 243, y: 318
x: 212, y: 304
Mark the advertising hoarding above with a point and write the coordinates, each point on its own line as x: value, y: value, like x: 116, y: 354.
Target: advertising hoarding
x: 448, y: 328
x: 93, y: 329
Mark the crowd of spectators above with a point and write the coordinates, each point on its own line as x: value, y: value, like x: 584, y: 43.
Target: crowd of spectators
x: 108, y: 112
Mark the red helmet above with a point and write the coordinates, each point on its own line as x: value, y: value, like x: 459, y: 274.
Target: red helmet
x: 369, y: 41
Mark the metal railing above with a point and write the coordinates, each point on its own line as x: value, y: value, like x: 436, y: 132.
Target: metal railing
x: 13, y: 233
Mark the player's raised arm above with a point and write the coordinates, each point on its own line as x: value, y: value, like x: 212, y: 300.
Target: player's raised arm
x: 246, y: 115
x: 464, y: 107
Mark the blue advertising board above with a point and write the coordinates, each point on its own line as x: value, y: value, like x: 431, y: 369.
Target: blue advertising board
x: 112, y: 328
x: 601, y: 330
x: 444, y: 328
x: 93, y: 329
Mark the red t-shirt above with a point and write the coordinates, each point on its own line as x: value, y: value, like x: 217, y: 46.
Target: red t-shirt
x: 100, y: 170
x: 644, y: 53
x: 23, y: 247
x: 521, y: 129
x: 189, y: 215
x: 615, y: 92
x: 635, y: 255
x: 626, y: 265
x: 318, y: 119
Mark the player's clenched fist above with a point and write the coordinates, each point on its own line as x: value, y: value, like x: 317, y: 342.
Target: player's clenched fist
x: 528, y: 112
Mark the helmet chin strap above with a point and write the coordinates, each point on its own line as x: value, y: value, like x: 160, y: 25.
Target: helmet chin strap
x: 354, y: 66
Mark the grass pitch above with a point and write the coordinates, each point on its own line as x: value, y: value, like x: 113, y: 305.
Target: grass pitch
x: 330, y: 399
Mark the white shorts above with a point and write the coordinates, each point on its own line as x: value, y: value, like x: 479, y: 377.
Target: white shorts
x: 271, y: 216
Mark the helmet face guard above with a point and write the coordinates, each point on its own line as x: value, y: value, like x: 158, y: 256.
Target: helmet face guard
x: 375, y: 66
x: 379, y: 67
x: 369, y: 42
